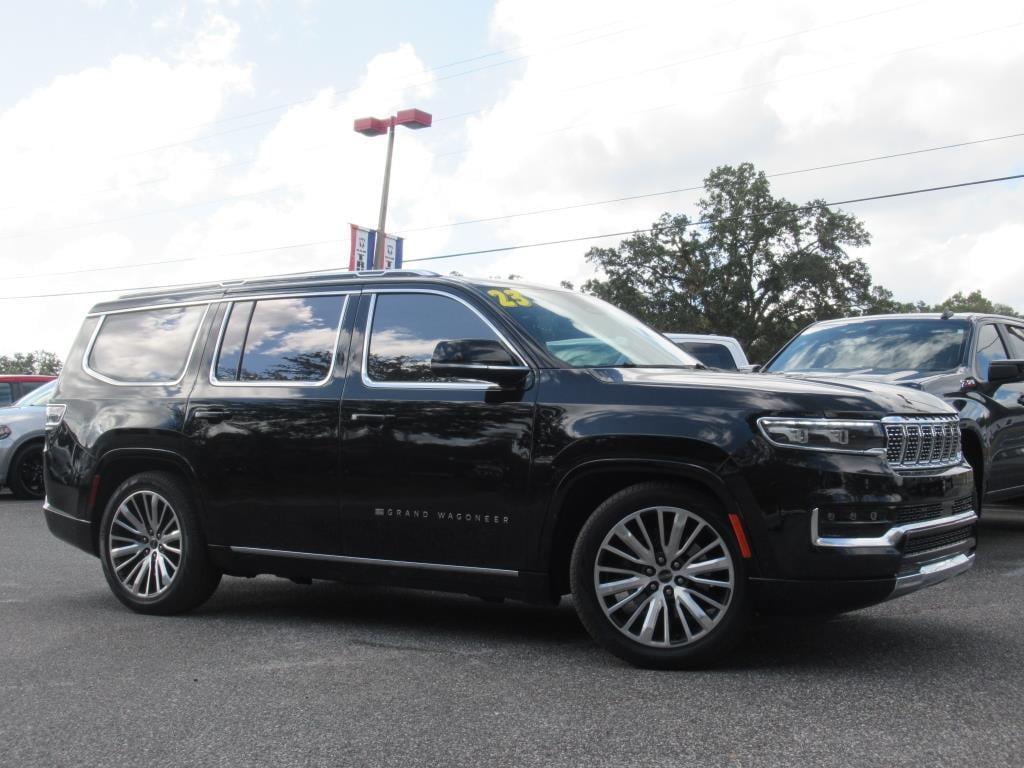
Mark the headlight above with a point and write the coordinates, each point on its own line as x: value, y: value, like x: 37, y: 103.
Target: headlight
x: 54, y: 414
x: 824, y: 434
x: 5, y: 431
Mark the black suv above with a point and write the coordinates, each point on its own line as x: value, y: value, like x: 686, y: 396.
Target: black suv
x: 974, y: 362
x: 492, y: 438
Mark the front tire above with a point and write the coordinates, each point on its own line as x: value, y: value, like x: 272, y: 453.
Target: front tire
x: 152, y: 546
x: 25, y: 475
x: 657, y: 578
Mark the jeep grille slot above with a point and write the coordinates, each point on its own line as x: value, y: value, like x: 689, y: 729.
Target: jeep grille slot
x: 918, y: 442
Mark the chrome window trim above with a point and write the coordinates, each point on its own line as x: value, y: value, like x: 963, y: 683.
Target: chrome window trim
x: 467, y: 386
x: 374, y: 561
x: 118, y: 382
x: 214, y: 381
x: 147, y: 307
x: 890, y: 538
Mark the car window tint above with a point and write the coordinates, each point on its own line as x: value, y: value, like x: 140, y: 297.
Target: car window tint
x: 712, y: 355
x: 40, y: 394
x: 1015, y: 337
x: 146, y: 346
x: 6, y: 394
x: 290, y: 339
x: 229, y: 357
x: 883, y: 345
x: 990, y: 348
x: 406, y: 328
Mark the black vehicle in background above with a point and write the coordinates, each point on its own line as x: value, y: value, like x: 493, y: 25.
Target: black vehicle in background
x: 974, y: 362
x: 497, y: 439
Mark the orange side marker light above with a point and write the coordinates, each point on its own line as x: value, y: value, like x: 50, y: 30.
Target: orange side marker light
x: 741, y: 536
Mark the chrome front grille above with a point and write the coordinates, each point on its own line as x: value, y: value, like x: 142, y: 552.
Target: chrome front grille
x: 918, y: 442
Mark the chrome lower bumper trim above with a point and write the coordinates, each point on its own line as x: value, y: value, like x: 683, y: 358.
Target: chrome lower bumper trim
x: 933, y: 573
x: 373, y: 561
x: 893, y: 536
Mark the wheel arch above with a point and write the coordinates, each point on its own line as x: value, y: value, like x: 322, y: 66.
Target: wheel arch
x: 583, y: 489
x: 975, y: 453
x: 118, y: 464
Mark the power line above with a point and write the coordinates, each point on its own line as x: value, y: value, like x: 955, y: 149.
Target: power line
x: 592, y: 203
x: 704, y: 222
x: 563, y: 129
x: 699, y: 223
x: 698, y: 187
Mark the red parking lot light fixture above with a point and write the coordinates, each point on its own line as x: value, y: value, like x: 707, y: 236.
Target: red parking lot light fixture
x: 375, y: 126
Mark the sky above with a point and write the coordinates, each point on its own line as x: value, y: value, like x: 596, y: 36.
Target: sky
x: 150, y: 144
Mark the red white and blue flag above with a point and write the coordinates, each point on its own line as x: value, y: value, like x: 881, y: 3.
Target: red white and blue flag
x: 364, y: 246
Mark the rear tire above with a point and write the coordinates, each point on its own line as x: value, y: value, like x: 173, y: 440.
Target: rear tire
x: 152, y: 546
x: 647, y: 604
x: 25, y: 475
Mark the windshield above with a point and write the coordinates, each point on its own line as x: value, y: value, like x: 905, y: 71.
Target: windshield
x: 38, y: 396
x: 904, y: 344
x: 585, y: 332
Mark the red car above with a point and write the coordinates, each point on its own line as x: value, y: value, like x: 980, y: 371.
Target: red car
x: 15, y: 386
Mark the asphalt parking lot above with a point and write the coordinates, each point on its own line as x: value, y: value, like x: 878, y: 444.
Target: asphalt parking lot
x: 273, y: 673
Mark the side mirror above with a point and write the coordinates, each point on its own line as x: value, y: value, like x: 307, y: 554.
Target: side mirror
x: 480, y: 359
x: 1005, y: 371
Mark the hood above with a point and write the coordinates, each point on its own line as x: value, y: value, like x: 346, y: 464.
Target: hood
x: 827, y: 396
x: 909, y: 378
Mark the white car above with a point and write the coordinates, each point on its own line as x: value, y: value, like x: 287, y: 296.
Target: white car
x: 21, y: 443
x: 722, y: 352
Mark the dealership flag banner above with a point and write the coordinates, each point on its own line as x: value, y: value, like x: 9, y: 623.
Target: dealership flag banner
x: 364, y: 245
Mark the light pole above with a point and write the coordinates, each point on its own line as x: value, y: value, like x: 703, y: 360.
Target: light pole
x: 375, y: 126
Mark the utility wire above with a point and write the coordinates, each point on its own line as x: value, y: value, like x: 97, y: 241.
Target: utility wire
x: 678, y: 190
x: 537, y: 212
x: 704, y: 222
x: 563, y: 129
x: 699, y: 223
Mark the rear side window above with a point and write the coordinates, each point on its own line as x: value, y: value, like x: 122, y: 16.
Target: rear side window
x: 712, y: 355
x: 407, y: 327
x: 1015, y: 336
x: 990, y: 347
x: 280, y: 340
x: 149, y: 346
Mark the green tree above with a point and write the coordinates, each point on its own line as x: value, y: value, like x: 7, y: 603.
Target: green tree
x: 974, y: 302
x: 40, y: 361
x: 751, y: 265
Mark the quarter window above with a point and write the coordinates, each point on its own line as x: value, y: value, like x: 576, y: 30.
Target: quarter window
x: 1015, y: 336
x: 290, y: 339
x: 149, y: 346
x: 407, y: 327
x: 990, y: 347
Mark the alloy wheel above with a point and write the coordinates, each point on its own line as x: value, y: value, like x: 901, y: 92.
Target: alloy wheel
x: 664, y: 577
x: 144, y: 543
x: 30, y: 473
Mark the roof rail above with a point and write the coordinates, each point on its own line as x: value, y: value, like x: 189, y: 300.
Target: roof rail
x: 237, y: 283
